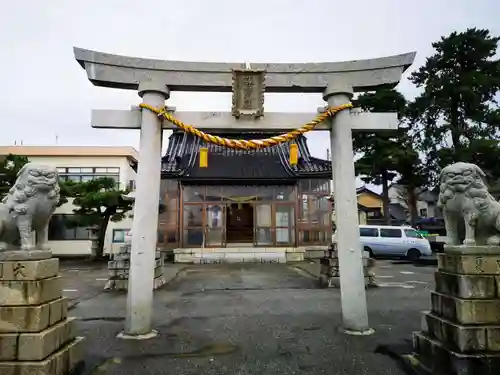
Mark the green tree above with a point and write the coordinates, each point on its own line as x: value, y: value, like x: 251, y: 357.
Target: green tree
x: 413, y: 176
x: 10, y: 165
x: 97, y: 202
x: 457, y: 111
x: 380, y: 151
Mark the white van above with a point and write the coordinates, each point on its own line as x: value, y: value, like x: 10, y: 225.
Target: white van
x: 394, y: 241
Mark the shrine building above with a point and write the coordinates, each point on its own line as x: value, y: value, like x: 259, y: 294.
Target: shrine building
x: 243, y: 199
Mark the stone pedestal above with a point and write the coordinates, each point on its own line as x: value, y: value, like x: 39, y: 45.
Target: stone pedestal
x: 119, y: 269
x: 330, y: 271
x: 36, y: 336
x: 461, y: 333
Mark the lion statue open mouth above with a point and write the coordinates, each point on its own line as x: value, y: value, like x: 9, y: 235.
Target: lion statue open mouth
x: 28, y: 207
x: 463, y: 196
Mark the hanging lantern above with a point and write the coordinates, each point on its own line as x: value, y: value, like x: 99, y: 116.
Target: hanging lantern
x: 294, y: 154
x: 203, y: 157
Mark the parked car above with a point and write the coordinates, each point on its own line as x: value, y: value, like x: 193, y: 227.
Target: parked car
x: 394, y: 241
x: 434, y: 230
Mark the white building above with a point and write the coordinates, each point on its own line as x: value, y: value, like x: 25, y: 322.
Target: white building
x: 83, y: 163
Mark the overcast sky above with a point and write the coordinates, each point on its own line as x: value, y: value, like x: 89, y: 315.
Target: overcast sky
x: 45, y: 95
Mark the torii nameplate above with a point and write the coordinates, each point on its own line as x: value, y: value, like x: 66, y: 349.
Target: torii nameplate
x: 248, y: 92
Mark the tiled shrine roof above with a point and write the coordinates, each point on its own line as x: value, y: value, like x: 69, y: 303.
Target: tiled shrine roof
x: 182, y: 161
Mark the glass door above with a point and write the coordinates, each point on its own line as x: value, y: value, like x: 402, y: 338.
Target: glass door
x: 193, y: 235
x: 263, y: 235
x: 215, y: 225
x: 284, y: 218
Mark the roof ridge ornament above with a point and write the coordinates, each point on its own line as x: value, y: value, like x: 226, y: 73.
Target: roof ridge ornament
x: 248, y: 86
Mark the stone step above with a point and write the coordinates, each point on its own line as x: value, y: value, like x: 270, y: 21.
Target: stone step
x: 226, y: 250
x: 439, y: 359
x: 20, y: 293
x: 464, y: 339
x: 36, y: 346
x: 32, y: 318
x: 158, y: 282
x: 467, y: 286
x: 465, y: 311
x: 122, y: 284
x: 214, y: 258
x: 315, y: 254
x: 60, y: 363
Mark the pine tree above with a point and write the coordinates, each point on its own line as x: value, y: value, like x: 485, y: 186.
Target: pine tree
x: 380, y: 151
x: 97, y: 202
x: 457, y: 110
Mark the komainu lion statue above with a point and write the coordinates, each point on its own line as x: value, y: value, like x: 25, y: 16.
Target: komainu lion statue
x: 463, y: 195
x: 28, y: 207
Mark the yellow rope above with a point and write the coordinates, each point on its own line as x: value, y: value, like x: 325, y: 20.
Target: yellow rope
x: 244, y: 143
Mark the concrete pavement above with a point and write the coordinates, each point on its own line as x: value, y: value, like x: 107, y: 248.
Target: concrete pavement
x: 257, y: 319
x: 83, y: 280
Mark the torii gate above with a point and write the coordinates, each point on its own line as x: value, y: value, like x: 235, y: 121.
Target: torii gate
x: 154, y: 79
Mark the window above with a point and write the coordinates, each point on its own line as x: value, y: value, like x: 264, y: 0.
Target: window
x: 375, y: 212
x: 119, y: 235
x: 193, y: 215
x: 368, y: 232
x: 88, y: 173
x: 169, y: 217
x: 314, y: 216
x: 390, y: 233
x: 131, y: 185
x: 423, y: 212
x: 193, y: 193
x: 107, y: 170
x: 412, y: 233
x: 63, y: 227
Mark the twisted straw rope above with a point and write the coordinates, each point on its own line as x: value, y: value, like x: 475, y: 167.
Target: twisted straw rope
x: 245, y: 144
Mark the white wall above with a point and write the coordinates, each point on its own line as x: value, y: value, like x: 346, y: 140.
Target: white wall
x: 109, y: 246
x: 82, y: 247
x: 70, y: 248
x: 431, y: 208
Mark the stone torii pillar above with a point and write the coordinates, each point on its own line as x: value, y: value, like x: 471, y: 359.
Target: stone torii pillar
x: 145, y: 223
x: 341, y: 79
x: 352, y: 285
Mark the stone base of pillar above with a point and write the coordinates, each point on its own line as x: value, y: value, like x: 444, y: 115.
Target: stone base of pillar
x: 330, y: 271
x: 119, y: 271
x: 146, y: 336
x: 461, y: 333
x: 36, y: 336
